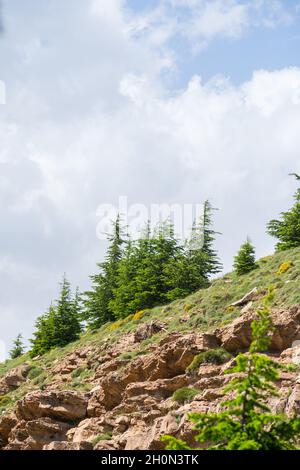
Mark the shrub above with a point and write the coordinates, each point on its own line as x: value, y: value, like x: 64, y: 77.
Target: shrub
x: 139, y: 315
x: 34, y: 372
x: 212, y: 356
x: 102, y: 437
x: 77, y: 372
x: 5, y: 401
x: 187, y: 307
x: 185, y: 395
x: 128, y: 355
x: 284, y: 267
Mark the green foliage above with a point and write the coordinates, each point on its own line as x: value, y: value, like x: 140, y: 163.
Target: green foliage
x: 102, y: 437
x: 150, y: 271
x: 60, y: 325
x: 185, y: 395
x: 212, y: 356
x: 196, y: 261
x: 97, y: 310
x: 244, y: 262
x: 246, y: 422
x: 18, y: 348
x: 287, y: 228
x: 34, y: 372
x: 5, y: 402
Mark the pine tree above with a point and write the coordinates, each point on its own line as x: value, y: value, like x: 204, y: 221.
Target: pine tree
x: 212, y: 264
x: 244, y: 262
x: 67, y: 327
x: 18, y: 348
x: 246, y: 422
x: 123, y: 303
x: 60, y: 325
x: 97, y: 301
x: 43, y: 337
x: 196, y: 261
x: 287, y: 229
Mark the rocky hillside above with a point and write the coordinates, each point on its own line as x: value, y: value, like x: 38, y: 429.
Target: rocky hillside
x: 114, y: 389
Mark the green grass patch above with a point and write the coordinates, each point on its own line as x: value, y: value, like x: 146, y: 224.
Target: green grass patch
x: 185, y: 395
x: 212, y: 356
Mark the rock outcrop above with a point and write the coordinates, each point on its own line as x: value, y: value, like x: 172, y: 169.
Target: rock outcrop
x: 130, y: 406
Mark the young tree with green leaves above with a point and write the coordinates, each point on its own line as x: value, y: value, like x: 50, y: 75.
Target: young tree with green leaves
x: 244, y: 261
x: 18, y: 347
x: 246, y: 422
x: 287, y: 228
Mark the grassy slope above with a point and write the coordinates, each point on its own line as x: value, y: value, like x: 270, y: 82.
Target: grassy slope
x: 207, y: 309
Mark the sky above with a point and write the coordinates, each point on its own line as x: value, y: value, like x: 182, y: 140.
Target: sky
x: 170, y: 101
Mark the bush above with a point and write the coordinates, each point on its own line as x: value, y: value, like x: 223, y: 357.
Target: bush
x: 284, y: 267
x: 102, y: 437
x: 185, y: 395
x: 77, y: 372
x: 212, y: 356
x: 139, y: 315
x: 34, y: 372
x: 4, y: 402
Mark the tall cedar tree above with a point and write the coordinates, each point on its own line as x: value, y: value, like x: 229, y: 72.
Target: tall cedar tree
x: 67, y: 325
x: 44, y: 333
x: 60, y: 325
x: 97, y: 301
x: 244, y: 262
x: 197, y: 261
x: 246, y: 422
x: 287, y: 229
x: 141, y: 281
x: 18, y: 348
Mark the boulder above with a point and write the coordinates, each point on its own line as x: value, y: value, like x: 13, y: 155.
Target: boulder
x: 147, y: 330
x: 33, y: 435
x: 237, y: 335
x: 64, y: 445
x: 7, y: 423
x: 60, y: 405
x: 293, y: 402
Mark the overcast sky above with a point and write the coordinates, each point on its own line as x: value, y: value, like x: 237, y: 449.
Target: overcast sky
x: 170, y: 101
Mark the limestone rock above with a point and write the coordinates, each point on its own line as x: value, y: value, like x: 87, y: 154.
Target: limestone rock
x: 61, y: 405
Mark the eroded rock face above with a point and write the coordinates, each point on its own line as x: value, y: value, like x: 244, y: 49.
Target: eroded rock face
x: 63, y: 406
x: 131, y: 405
x: 147, y: 330
x: 237, y: 336
x: 7, y: 423
x: 64, y: 445
x: 13, y: 379
x: 33, y: 435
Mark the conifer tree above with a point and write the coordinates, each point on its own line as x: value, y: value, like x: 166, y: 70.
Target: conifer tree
x: 18, y: 347
x: 212, y: 264
x: 196, y: 261
x: 67, y: 325
x: 60, y: 325
x: 97, y: 301
x: 244, y: 262
x: 123, y: 303
x: 246, y: 422
x: 43, y: 337
x: 287, y: 228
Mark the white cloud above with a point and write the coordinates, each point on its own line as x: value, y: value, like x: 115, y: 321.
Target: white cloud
x: 88, y: 118
x: 201, y: 21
